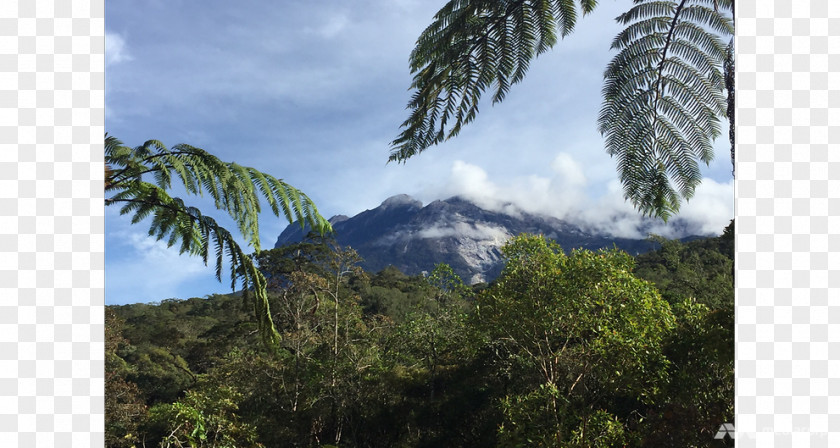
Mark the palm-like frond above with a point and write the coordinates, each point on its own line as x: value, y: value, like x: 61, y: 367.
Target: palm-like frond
x: 235, y: 189
x: 663, y: 98
x: 473, y: 45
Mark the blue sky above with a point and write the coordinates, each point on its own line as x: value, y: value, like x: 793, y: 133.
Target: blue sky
x: 312, y: 92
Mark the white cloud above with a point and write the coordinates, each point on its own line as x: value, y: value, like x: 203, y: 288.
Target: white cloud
x: 472, y: 182
x: 611, y: 214
x: 476, y: 231
x: 708, y: 212
x: 568, y: 170
x: 141, y: 269
x: 555, y: 196
x: 713, y: 205
x: 115, y: 49
x: 561, y: 196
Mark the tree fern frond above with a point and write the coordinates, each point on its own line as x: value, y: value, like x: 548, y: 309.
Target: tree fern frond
x: 647, y: 9
x: 472, y: 46
x: 566, y: 17
x: 235, y: 190
x: 220, y: 254
x: 655, y: 26
x: 700, y: 37
x: 719, y: 23
x: 588, y: 5
x: 663, y: 99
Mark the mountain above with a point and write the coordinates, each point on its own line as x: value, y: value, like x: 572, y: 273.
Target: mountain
x: 403, y: 233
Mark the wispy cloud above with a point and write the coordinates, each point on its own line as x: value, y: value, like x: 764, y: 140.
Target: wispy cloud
x: 116, y: 50
x: 140, y: 269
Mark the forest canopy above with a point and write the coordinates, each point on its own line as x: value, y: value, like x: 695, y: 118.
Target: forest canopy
x: 566, y: 348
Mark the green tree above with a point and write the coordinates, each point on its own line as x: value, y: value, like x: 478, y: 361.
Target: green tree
x: 203, y: 418
x: 346, y: 321
x: 448, y: 285
x: 582, y: 333
x: 235, y: 189
x: 662, y: 93
x: 700, y: 392
x: 309, y: 256
x: 394, y: 294
x: 124, y: 405
x: 324, y: 352
x: 436, y: 337
x: 701, y: 269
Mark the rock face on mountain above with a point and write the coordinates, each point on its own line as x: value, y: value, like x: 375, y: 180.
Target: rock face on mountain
x: 413, y: 238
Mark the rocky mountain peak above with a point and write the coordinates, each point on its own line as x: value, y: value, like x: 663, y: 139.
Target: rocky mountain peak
x: 401, y: 200
x: 412, y: 237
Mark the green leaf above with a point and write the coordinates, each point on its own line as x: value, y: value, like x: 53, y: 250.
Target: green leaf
x: 236, y: 190
x: 470, y: 47
x: 663, y: 100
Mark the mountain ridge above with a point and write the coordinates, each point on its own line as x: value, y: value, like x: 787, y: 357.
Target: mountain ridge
x: 404, y: 233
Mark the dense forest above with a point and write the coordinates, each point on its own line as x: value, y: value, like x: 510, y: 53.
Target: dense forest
x: 564, y: 349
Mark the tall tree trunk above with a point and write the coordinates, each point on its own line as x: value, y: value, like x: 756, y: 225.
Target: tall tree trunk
x: 729, y: 78
x: 729, y: 74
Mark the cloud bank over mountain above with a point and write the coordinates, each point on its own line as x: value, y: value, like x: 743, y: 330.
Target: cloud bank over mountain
x: 564, y: 195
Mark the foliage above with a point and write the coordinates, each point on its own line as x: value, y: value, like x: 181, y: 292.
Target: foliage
x: 662, y: 91
x: 395, y: 295
x: 469, y: 47
x: 162, y: 375
x: 600, y: 430
x: 124, y: 405
x: 563, y: 349
x: 310, y: 256
x: 700, y: 393
x: 203, y: 418
x: 436, y: 337
x: 448, y: 285
x: 235, y: 189
x: 702, y: 269
x: 581, y: 330
x: 325, y: 354
x: 199, y: 330
x: 663, y: 98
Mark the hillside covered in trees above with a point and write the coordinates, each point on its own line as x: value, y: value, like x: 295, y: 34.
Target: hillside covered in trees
x: 568, y: 349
